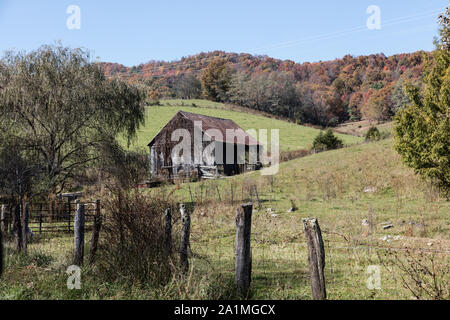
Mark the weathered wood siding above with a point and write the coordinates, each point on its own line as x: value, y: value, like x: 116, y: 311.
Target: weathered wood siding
x: 163, y: 162
x: 161, y: 150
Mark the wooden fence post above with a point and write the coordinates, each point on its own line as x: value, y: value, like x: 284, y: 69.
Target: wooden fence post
x: 316, y: 258
x: 51, y: 209
x: 3, y: 230
x: 4, y: 220
x: 185, y: 234
x: 17, y: 228
x: 95, y: 232
x: 1, y: 250
x: 69, y: 210
x: 25, y: 218
x: 243, y: 253
x: 168, y: 231
x: 9, y: 218
x: 232, y: 193
x: 40, y: 218
x: 79, y: 234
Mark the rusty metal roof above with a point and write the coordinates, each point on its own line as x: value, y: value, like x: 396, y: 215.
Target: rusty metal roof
x: 219, y: 124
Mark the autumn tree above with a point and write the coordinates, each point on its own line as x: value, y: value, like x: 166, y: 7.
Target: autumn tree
x: 313, y: 104
x: 188, y: 86
x: 379, y: 105
x: 422, y: 132
x: 326, y: 93
x: 215, y: 80
x: 239, y: 89
x: 339, y: 85
x: 337, y: 107
x: 354, y: 106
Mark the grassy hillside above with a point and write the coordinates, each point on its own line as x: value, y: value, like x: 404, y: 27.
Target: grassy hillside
x: 292, y: 136
x: 329, y: 186
x: 332, y: 182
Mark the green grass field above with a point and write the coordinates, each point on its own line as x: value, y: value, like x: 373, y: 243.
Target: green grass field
x: 292, y: 136
x: 329, y: 186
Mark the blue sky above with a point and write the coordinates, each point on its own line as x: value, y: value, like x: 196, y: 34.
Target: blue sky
x: 136, y: 31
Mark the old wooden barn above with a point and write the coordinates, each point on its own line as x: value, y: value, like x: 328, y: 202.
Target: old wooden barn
x: 226, y: 149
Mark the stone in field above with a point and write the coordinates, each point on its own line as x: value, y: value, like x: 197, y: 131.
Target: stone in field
x: 370, y: 190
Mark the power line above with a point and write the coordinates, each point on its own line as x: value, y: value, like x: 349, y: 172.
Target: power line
x: 390, y: 22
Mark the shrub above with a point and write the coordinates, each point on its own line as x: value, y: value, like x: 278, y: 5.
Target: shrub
x: 327, y: 141
x: 293, y: 154
x: 133, y: 248
x: 424, y: 274
x: 154, y: 103
x: 373, y: 134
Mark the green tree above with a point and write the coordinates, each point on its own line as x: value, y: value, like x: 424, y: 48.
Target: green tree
x: 422, y: 132
x: 216, y: 80
x: 373, y: 134
x: 399, y: 97
x: 327, y: 141
x: 58, y: 110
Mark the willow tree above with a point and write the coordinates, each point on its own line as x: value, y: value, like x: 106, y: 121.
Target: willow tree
x: 58, y: 109
x: 422, y: 133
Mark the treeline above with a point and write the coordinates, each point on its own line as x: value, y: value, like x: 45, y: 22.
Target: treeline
x: 323, y: 93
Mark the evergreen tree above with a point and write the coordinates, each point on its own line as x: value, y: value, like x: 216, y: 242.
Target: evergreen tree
x: 327, y: 141
x: 373, y: 134
x: 422, y: 132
